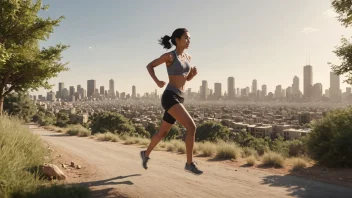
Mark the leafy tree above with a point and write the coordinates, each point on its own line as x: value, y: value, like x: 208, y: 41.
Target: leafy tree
x: 211, y: 131
x: 330, y: 142
x: 281, y: 146
x: 23, y: 65
x: 21, y: 105
x: 111, y: 121
x: 62, y: 119
x: 44, y: 118
x: 344, y: 11
x: 344, y: 52
x: 243, y: 138
x: 260, y: 145
x: 142, y: 132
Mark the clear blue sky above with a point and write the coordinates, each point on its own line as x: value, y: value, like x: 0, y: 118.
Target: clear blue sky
x: 264, y: 40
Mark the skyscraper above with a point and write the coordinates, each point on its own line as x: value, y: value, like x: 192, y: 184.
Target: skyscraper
x: 334, y: 86
x: 72, y: 90
x: 217, y: 90
x: 295, y: 87
x: 317, y: 90
x: 102, y: 90
x: 254, y: 87
x: 289, y: 92
x: 65, y: 93
x: 111, y: 87
x: 231, y: 87
x: 91, y: 84
x: 307, y: 81
x: 278, y: 91
x: 134, y: 92
x: 78, y: 88
x: 247, y: 91
x: 61, y: 87
x: 264, y: 90
x: 204, y: 90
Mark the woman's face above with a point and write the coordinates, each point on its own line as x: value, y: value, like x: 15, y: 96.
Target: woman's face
x: 184, y: 41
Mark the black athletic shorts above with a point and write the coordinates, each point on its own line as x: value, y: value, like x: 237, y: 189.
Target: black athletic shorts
x: 169, y: 99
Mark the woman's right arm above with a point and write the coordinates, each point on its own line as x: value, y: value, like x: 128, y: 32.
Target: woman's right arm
x: 156, y: 62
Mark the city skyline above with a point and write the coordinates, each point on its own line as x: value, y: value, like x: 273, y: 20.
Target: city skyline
x: 310, y: 88
x: 261, y: 46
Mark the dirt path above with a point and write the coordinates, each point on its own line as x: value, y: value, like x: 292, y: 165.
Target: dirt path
x: 117, y: 168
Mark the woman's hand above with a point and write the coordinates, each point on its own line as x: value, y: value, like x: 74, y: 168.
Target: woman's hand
x: 160, y: 83
x: 192, y: 73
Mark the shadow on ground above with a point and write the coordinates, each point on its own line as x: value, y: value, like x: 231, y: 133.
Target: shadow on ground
x: 306, y: 188
x: 92, y: 189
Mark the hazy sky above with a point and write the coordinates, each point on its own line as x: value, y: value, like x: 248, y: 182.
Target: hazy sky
x: 247, y: 39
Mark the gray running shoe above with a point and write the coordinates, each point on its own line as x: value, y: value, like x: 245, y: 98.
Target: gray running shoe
x: 144, y: 159
x: 193, y: 169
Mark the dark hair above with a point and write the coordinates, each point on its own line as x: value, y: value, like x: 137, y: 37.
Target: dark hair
x: 165, y: 41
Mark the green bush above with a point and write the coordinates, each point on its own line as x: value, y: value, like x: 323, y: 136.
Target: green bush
x: 279, y: 145
x: 174, y: 132
x: 260, y: 145
x: 62, y: 119
x: 211, y: 131
x: 206, y: 149
x: 142, y: 132
x: 297, y: 147
x: 248, y: 151
x: 243, y: 138
x: 78, y: 130
x: 228, y: 151
x: 330, y: 142
x: 273, y: 159
x: 20, y: 105
x: 44, y: 118
x: 113, y: 122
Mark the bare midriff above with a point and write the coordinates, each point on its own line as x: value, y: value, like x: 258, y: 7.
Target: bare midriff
x: 178, y: 81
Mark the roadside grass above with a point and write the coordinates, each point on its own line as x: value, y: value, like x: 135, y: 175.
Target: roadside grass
x: 21, y: 152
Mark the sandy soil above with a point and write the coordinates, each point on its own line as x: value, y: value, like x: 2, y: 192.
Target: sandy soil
x: 114, y: 170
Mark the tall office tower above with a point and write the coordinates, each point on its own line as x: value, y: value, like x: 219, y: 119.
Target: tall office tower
x: 102, y: 90
x: 231, y: 87
x: 264, y: 90
x: 217, y: 90
x: 254, y: 87
x: 289, y: 92
x: 61, y: 87
x: 247, y: 91
x: 134, y: 92
x: 91, y: 84
x: 204, y: 90
x: 111, y: 87
x: 72, y: 90
x: 334, y: 86
x: 317, y: 90
x: 295, y: 87
x: 278, y: 91
x: 307, y: 81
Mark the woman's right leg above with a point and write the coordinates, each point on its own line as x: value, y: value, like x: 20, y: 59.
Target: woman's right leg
x: 164, y: 129
x: 179, y: 112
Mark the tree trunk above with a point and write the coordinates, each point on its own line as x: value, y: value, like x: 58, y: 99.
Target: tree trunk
x: 1, y: 105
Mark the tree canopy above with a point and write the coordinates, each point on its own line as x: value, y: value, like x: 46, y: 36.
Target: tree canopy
x: 23, y: 64
x: 343, y: 52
